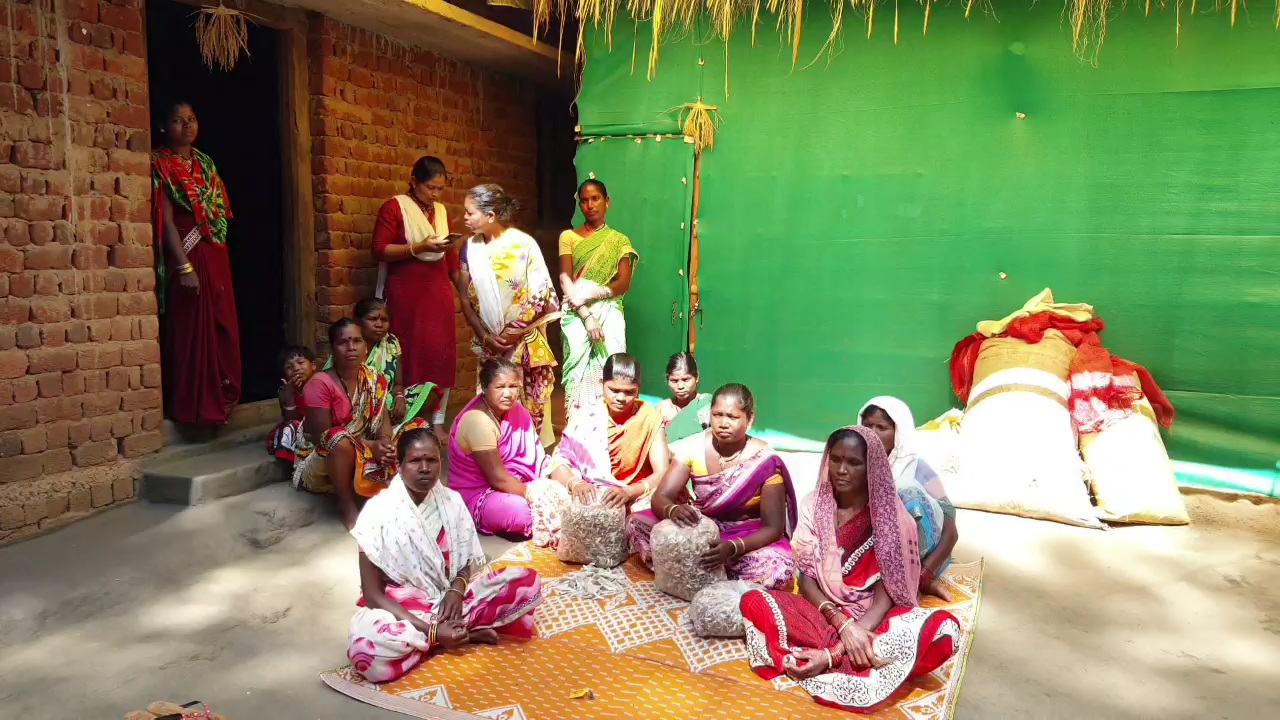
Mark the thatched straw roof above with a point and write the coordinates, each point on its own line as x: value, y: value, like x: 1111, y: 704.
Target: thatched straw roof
x: 1087, y: 19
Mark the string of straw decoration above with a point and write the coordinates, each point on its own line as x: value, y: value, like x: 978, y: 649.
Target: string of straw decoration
x: 222, y: 34
x: 698, y: 121
x: 668, y: 19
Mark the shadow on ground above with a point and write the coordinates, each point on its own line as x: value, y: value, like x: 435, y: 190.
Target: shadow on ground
x: 241, y: 603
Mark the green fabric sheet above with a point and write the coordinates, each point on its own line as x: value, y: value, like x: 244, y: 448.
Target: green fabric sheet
x: 859, y: 215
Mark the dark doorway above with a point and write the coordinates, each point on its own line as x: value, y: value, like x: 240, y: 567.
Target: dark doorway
x: 240, y: 129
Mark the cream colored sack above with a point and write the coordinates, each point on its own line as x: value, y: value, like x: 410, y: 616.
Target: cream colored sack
x: 1130, y: 471
x: 1017, y: 447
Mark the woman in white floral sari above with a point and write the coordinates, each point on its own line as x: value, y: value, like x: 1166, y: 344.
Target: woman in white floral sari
x: 423, y: 574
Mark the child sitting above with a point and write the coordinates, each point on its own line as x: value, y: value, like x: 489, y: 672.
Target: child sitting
x: 297, y: 365
x: 686, y: 412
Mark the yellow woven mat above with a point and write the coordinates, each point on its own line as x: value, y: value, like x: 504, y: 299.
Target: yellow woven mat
x: 637, y: 654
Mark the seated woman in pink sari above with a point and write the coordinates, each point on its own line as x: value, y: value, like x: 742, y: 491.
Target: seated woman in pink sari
x: 740, y: 483
x: 425, y: 581
x: 854, y: 634
x: 495, y: 452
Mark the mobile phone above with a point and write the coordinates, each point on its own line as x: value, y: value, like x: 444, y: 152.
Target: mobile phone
x: 452, y: 238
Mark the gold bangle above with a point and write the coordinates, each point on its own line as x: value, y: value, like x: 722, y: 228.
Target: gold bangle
x: 185, y: 269
x: 844, y: 625
x: 830, y: 663
x: 822, y: 607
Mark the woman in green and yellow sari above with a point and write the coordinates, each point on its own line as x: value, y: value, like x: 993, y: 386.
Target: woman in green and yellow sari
x: 596, y: 263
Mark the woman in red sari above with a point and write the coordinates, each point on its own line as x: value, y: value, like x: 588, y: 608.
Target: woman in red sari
x: 855, y: 632
x: 417, y: 276
x: 201, y: 357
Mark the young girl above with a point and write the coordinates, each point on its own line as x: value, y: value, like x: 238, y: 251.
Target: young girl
x: 686, y: 412
x: 404, y: 404
x: 297, y: 365
x: 918, y: 486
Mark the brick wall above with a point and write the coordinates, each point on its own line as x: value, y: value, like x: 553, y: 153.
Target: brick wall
x: 376, y: 108
x: 79, y: 356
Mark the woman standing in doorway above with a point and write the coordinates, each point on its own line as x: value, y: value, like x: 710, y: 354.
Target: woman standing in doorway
x: 417, y: 274
x: 201, y: 358
x: 596, y: 263
x: 509, y: 299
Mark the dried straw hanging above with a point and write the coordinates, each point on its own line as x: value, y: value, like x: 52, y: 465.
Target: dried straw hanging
x: 222, y: 34
x: 698, y: 121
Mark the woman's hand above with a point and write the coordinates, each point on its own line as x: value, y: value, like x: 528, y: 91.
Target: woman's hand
x: 683, y: 515
x: 383, y: 451
x: 594, y: 331
x: 583, y: 491
x: 931, y: 584
x: 717, y: 555
x: 622, y: 497
x: 511, y: 335
x: 428, y: 246
x: 288, y: 392
x: 399, y: 407
x: 495, y: 345
x: 450, y: 605
x: 189, y: 282
x: 857, y: 644
x: 452, y: 633
x: 581, y: 294
x: 804, y: 664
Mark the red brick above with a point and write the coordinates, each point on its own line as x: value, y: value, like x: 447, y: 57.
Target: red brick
x: 141, y: 444
x: 95, y: 307
x: 28, y: 336
x: 141, y: 280
x: 152, y: 420
x: 140, y: 352
x: 95, y: 453
x: 97, y: 356
x: 140, y: 400
x: 35, y: 511
x: 17, y: 232
x: 100, y: 492
x: 12, y: 517
x: 62, y: 408
x: 100, y: 330
x: 151, y: 376
x: 138, y: 303
x: 54, y: 335
x: 8, y: 337
x: 50, y: 385
x: 122, y: 488
x: 118, y: 379
x: 36, y: 155
x: 11, y: 443
x: 56, y: 461
x: 130, y: 256
x: 77, y: 331
x: 20, y: 467
x: 34, y: 182
x: 58, y: 504
x: 47, y: 283
x: 17, y: 417
x: 105, y: 233
x: 22, y: 286
x: 122, y: 113
x: 50, y: 309
x: 11, y: 259
x: 41, y: 232
x: 101, y: 403
x: 64, y: 232
x: 25, y: 390
x: 121, y: 329
x: 121, y: 16
x: 135, y: 44
x: 90, y: 257
x: 135, y: 234
x: 45, y: 360
x: 48, y: 257
x: 10, y: 178
x: 56, y: 435
x: 115, y: 280
x: 34, y: 440
x: 100, y: 428
x: 121, y: 425
x: 126, y: 210
x: 78, y: 433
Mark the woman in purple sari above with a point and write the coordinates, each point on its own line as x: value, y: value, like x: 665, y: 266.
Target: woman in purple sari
x: 741, y: 484
x: 495, y: 453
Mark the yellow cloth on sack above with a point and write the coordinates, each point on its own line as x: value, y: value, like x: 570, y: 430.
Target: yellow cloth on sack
x: 1079, y: 312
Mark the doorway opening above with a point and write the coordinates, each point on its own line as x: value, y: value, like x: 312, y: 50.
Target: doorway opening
x: 239, y: 116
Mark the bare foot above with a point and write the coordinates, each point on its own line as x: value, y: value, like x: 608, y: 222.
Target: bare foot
x: 486, y: 636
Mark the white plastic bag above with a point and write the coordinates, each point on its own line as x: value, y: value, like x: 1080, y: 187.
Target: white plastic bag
x: 592, y: 534
x: 714, y: 612
x: 677, y: 550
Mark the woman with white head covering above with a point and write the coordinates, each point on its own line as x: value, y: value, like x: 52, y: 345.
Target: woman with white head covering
x: 919, y: 487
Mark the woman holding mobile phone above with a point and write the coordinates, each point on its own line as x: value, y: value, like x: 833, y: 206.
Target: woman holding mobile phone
x: 417, y: 274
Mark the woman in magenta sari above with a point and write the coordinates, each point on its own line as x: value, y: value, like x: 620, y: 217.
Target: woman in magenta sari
x: 854, y: 634
x: 495, y: 453
x: 740, y: 483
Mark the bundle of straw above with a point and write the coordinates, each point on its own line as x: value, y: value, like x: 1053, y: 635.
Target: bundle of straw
x: 698, y: 121
x: 222, y: 33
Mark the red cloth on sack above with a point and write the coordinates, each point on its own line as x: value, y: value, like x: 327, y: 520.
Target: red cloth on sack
x: 1115, y: 393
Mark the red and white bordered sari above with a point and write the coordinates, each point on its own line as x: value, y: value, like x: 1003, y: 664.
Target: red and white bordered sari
x: 421, y: 548
x: 876, y: 546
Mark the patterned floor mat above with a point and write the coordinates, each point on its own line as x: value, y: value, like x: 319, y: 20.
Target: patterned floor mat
x: 633, y: 648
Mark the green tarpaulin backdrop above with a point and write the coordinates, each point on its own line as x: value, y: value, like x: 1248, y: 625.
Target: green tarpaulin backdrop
x: 859, y: 215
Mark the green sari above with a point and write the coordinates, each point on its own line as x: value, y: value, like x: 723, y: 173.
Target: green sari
x: 595, y: 260
x: 384, y: 359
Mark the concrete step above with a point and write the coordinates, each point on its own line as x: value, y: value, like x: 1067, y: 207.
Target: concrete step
x: 180, y: 449
x: 243, y: 417
x: 209, y: 476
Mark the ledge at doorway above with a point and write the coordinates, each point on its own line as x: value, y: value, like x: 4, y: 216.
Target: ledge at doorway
x: 448, y: 30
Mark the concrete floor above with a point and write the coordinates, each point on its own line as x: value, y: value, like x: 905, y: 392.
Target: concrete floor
x: 242, y: 602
